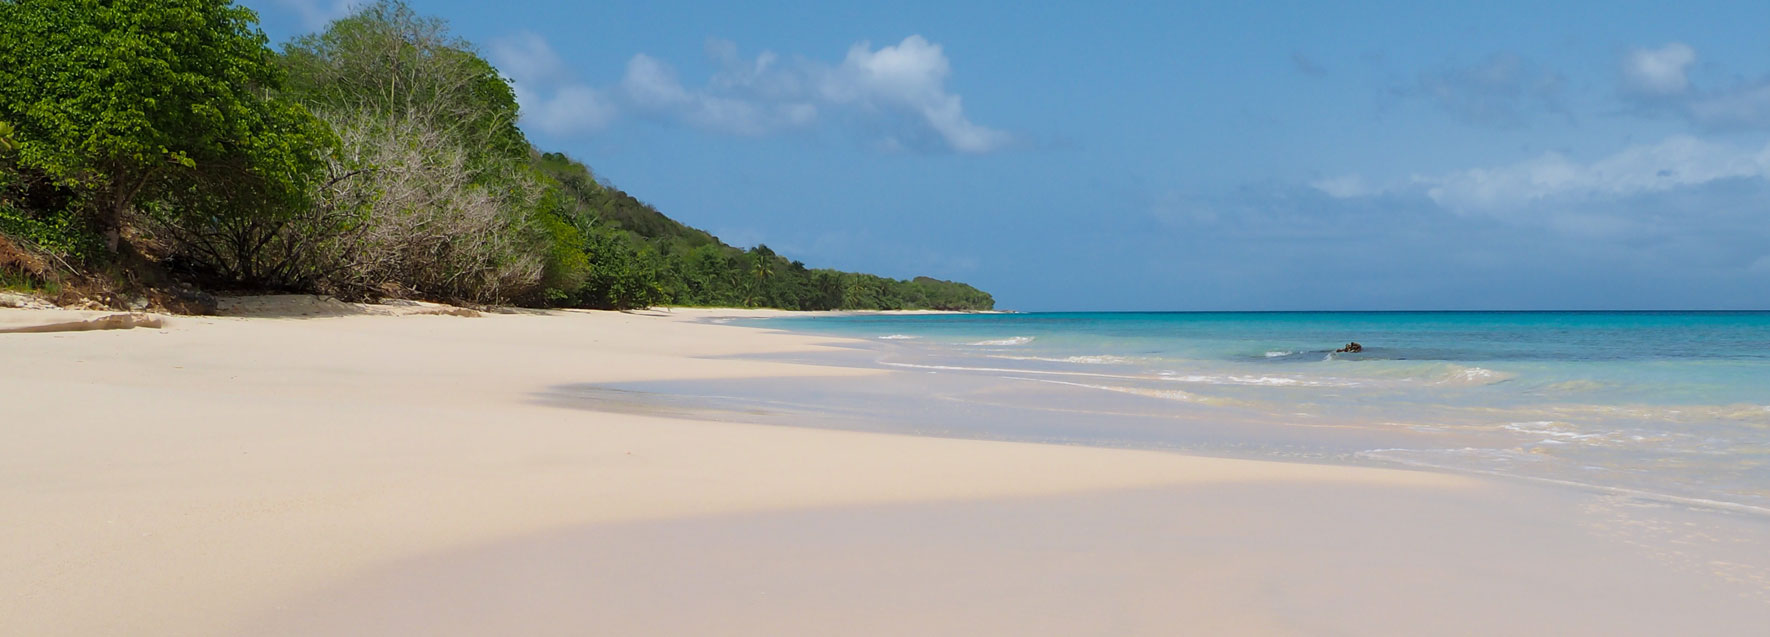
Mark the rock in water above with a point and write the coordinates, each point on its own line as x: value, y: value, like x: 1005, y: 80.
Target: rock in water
x: 1350, y: 348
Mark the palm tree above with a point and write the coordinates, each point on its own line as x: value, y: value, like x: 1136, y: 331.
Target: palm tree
x: 762, y: 268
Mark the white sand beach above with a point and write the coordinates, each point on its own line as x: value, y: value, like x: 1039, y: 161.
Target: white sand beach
x: 329, y: 469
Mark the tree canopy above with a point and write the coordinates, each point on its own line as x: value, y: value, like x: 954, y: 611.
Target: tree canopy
x: 128, y: 101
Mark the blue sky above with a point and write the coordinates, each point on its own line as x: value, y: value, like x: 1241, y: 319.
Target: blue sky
x: 1178, y: 156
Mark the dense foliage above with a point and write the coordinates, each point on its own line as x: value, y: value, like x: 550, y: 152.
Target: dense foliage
x: 161, y: 106
x: 637, y: 256
x: 380, y: 157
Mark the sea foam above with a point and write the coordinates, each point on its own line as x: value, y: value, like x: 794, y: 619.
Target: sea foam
x: 1102, y: 359
x: 1266, y: 381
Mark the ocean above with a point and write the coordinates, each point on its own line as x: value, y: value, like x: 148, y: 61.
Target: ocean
x: 1663, y: 405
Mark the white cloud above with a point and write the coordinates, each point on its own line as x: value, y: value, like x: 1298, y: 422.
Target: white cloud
x: 552, y: 99
x: 1682, y: 188
x: 316, y: 14
x: 900, y: 87
x: 765, y: 77
x: 652, y: 83
x: 571, y: 110
x: 527, y: 58
x: 1677, y: 162
x: 763, y: 95
x: 1659, y: 79
x: 912, y: 75
x: 1661, y: 84
x: 1343, y: 187
x: 1661, y: 72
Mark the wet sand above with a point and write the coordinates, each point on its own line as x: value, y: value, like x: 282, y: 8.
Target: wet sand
x: 1268, y: 559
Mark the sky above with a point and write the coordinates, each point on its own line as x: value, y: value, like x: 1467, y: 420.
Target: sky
x: 1177, y: 156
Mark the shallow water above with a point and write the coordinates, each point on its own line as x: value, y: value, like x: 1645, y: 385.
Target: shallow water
x: 1674, y: 405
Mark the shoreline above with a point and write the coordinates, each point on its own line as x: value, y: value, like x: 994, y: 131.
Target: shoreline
x: 230, y: 467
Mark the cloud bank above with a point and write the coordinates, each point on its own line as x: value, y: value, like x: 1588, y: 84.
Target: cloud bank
x: 1684, y: 205
x: 1681, y: 223
x: 896, y: 93
x: 1677, y: 162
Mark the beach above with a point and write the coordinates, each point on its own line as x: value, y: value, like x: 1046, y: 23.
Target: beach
x: 319, y: 469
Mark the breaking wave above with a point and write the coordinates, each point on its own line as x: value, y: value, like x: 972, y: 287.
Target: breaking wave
x: 1005, y: 370
x: 1266, y: 381
x: 1013, y: 340
x: 1460, y: 375
x: 1436, y: 374
x: 1085, y: 360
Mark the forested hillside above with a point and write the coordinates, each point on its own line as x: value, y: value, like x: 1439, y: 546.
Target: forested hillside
x: 157, y: 144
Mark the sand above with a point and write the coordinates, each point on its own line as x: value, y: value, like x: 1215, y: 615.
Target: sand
x: 361, y: 471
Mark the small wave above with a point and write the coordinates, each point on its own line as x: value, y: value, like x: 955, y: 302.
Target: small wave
x: 1004, y: 370
x: 1745, y: 414
x: 1453, y: 375
x: 1439, y: 374
x: 1576, y: 385
x: 1277, y: 354
x: 1558, y: 432
x: 1013, y: 340
x: 1472, y: 376
x: 897, y: 337
x: 1086, y: 360
x: 1562, y: 433
x: 1267, y: 381
x: 1165, y: 394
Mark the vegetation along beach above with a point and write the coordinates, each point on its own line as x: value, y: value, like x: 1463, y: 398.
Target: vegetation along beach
x: 367, y: 318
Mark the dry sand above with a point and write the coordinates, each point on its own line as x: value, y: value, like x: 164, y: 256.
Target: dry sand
x: 341, y: 471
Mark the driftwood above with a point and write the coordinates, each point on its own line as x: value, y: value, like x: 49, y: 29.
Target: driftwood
x: 111, y: 322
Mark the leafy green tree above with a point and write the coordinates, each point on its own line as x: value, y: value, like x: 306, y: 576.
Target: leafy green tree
x: 131, y: 101
x: 387, y: 60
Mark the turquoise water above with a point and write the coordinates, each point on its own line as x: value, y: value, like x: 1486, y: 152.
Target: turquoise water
x: 1673, y: 404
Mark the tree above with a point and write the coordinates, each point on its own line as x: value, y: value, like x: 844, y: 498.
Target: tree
x: 386, y: 60
x: 128, y: 101
x: 434, y: 193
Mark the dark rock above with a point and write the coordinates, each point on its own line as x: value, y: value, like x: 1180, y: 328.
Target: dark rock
x: 1350, y: 348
